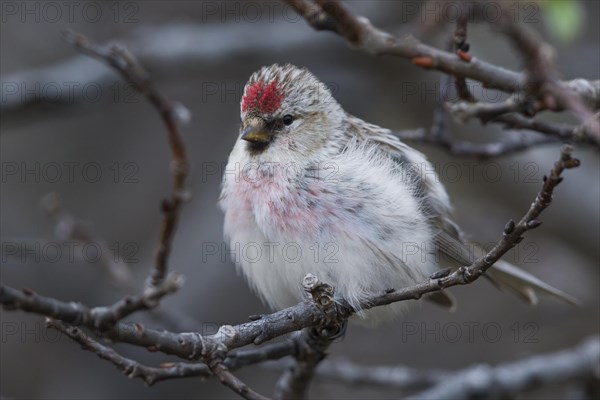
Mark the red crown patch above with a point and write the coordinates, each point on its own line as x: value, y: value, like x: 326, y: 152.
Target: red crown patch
x: 265, y: 99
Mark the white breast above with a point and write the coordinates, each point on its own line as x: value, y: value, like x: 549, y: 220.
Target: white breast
x: 353, y: 222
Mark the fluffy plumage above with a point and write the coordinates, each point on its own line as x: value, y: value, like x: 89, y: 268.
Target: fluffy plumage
x: 338, y: 197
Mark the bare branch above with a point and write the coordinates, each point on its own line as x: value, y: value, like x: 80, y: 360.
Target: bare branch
x: 131, y: 368
x: 464, y: 111
x: 322, y: 319
x: 507, y: 380
x: 503, y: 381
x: 67, y: 226
x: 557, y: 130
x: 542, y: 79
x: 105, y: 317
x: 467, y: 148
x: 171, y: 370
x: 186, y: 345
x: 361, y: 34
x: 126, y: 64
x: 589, y: 91
x: 461, y: 48
x: 349, y: 372
x: 101, y: 318
x: 467, y: 109
x: 311, y: 349
x: 228, y: 379
x: 401, y: 377
x: 314, y: 15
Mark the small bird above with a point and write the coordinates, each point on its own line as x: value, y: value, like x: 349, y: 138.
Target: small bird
x: 309, y: 188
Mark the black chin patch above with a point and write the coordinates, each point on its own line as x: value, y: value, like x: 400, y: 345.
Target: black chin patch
x: 257, y: 147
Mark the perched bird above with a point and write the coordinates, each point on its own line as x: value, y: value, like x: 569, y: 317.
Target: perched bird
x: 309, y: 188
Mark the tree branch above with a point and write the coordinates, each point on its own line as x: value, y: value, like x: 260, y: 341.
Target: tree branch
x: 68, y: 227
x: 101, y: 318
x: 400, y: 377
x: 131, y: 368
x: 170, y: 370
x: 510, y: 379
x: 220, y: 370
x: 507, y: 380
x: 480, y: 150
x: 321, y: 319
x: 467, y: 109
x: 361, y: 34
x: 126, y: 64
x: 542, y: 79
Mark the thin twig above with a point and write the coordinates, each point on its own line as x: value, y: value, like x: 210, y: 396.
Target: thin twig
x: 461, y: 48
x: 314, y: 15
x: 401, y: 377
x: 506, y: 112
x: 105, y: 317
x: 101, y: 318
x: 542, y: 79
x: 464, y: 111
x: 467, y: 148
x: 131, y: 368
x: 505, y: 381
x: 353, y: 373
x: 361, y: 34
x: 126, y: 64
x: 557, y: 130
x: 220, y: 370
x: 68, y: 227
x: 171, y: 370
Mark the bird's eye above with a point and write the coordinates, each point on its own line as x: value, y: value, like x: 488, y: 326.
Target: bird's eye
x: 288, y: 119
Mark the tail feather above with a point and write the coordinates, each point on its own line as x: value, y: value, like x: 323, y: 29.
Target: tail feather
x: 444, y: 299
x: 506, y: 275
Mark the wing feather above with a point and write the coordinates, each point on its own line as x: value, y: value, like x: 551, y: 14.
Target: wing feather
x: 449, y: 240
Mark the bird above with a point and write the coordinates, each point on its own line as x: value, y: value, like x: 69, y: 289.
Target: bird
x: 310, y: 188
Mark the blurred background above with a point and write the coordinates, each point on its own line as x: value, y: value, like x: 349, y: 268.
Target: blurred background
x: 70, y: 126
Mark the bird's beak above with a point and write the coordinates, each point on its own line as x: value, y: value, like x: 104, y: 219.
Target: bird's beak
x: 257, y: 132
